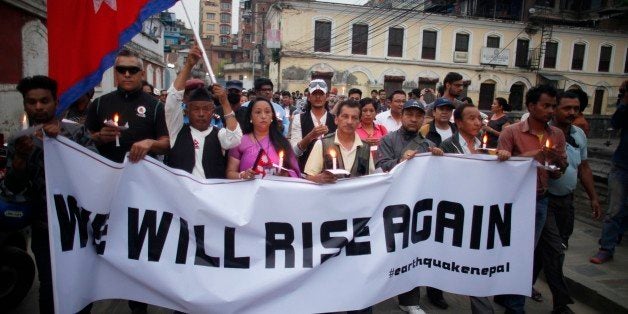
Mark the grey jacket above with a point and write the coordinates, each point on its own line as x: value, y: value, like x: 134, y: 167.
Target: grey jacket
x: 395, y: 143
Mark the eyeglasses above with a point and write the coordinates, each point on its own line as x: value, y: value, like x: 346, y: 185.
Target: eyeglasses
x: 131, y: 69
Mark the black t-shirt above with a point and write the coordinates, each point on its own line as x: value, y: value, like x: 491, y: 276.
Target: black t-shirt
x: 497, y: 125
x: 143, y: 113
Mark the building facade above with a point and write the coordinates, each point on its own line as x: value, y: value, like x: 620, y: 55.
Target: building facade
x: 215, y: 21
x: 370, y: 47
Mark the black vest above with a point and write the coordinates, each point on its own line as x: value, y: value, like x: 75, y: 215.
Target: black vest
x: 362, y: 155
x: 307, y: 125
x: 182, y: 155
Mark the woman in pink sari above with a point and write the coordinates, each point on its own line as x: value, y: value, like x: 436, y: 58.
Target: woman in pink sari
x: 261, y: 138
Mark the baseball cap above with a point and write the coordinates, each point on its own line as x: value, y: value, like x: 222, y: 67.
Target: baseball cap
x: 234, y: 84
x: 413, y: 104
x: 439, y: 102
x: 317, y: 84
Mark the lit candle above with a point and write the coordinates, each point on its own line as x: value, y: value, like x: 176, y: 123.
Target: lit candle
x: 343, y: 90
x: 115, y: 121
x: 547, y: 145
x: 24, y: 122
x: 281, y: 158
x: 484, y: 140
x: 333, y: 158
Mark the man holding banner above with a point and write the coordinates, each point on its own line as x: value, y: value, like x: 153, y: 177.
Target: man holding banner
x: 127, y: 119
x: 398, y: 146
x: 26, y: 173
x: 534, y: 137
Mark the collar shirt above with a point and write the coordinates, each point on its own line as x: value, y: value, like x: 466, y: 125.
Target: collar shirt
x: 315, y: 162
x: 566, y: 184
x: 465, y: 147
x: 386, y: 119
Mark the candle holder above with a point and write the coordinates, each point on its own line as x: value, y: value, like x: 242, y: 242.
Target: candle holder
x: 487, y: 151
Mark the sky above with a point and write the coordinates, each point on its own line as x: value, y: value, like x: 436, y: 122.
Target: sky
x: 193, y: 5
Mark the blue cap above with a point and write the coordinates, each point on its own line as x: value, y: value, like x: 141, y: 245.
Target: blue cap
x: 413, y: 104
x: 439, y: 102
x: 234, y: 84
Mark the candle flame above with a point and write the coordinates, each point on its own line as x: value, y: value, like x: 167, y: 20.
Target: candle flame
x: 485, y: 139
x: 332, y: 153
x: 547, y: 143
x: 115, y: 118
x: 24, y: 118
x: 281, y: 154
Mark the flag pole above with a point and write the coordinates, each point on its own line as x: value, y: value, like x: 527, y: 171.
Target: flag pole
x: 212, y: 77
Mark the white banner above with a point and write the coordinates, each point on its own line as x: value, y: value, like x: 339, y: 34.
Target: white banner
x: 149, y: 233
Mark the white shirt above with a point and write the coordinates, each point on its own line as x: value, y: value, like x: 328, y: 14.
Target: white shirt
x: 198, y: 138
x: 314, y: 164
x: 465, y: 148
x: 174, y: 120
x: 295, y: 130
x: 387, y: 120
x: 444, y: 134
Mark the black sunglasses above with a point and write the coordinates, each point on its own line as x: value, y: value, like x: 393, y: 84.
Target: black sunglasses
x: 123, y: 69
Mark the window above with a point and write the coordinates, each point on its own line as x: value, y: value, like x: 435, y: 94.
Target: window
x: 210, y: 16
x: 211, y: 38
x: 492, y: 41
x: 225, y: 29
x: 240, y: 77
x: 225, y: 6
x: 225, y: 18
x: 605, y: 59
x: 247, y: 38
x: 210, y: 27
x: 322, y: 36
x: 224, y: 41
x: 228, y: 77
x: 462, y: 42
x: 551, y: 51
x: 395, y: 42
x: 577, y: 61
x: 429, y: 45
x: 521, y: 59
x: 360, y: 36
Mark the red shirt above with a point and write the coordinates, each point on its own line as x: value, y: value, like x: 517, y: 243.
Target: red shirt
x: 378, y: 131
x: 518, y: 139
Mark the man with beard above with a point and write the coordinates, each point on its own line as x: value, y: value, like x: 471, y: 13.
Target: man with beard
x: 396, y: 147
x: 535, y: 138
x: 26, y: 173
x: 313, y: 123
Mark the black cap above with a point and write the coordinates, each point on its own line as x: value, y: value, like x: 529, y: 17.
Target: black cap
x: 234, y: 84
x: 413, y: 104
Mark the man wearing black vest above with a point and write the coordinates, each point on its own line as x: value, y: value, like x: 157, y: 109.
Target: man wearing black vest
x: 312, y: 124
x: 198, y: 147
x: 351, y: 153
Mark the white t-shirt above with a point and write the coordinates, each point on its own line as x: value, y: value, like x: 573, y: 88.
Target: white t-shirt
x: 198, y: 138
x: 444, y: 134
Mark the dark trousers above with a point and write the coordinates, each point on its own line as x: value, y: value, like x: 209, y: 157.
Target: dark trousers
x: 41, y: 249
x: 564, y: 215
x: 413, y: 296
x: 549, y: 256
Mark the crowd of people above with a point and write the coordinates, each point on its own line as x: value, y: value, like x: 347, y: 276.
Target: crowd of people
x: 211, y: 131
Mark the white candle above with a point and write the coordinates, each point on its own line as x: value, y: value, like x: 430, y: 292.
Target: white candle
x: 547, y: 144
x: 281, y: 158
x: 24, y: 122
x: 115, y: 121
x: 333, y: 158
x: 484, y: 140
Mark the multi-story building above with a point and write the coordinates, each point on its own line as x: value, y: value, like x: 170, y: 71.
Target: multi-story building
x: 500, y: 52
x: 215, y: 21
x: 176, y: 35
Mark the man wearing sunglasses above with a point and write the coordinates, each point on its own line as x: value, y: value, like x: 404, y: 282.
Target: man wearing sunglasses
x: 146, y: 133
